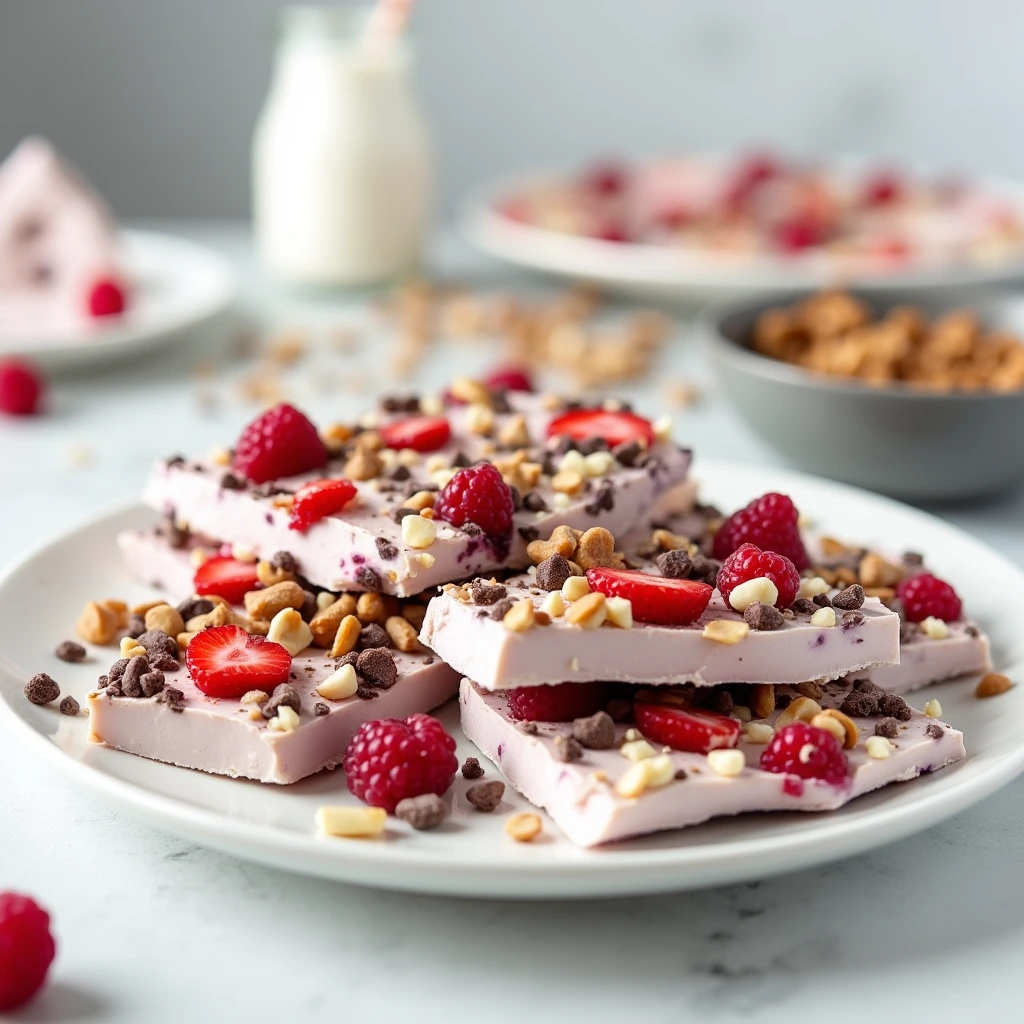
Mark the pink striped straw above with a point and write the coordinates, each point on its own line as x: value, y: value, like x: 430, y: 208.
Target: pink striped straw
x: 386, y: 22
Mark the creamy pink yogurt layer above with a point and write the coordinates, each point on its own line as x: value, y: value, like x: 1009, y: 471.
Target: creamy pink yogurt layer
x: 484, y: 650
x: 217, y: 735
x: 338, y: 551
x: 581, y: 799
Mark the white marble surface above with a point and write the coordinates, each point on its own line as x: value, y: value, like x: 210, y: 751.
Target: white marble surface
x: 153, y: 929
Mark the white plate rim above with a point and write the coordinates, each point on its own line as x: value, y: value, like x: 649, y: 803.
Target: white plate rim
x: 398, y: 866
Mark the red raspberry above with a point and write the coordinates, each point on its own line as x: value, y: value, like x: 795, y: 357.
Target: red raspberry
x: 770, y: 522
x: 391, y: 759
x: 106, y: 298
x: 20, y: 388
x: 807, y: 751
x: 561, y: 702
x: 478, y: 495
x: 748, y: 562
x: 926, y: 595
x: 509, y: 378
x: 281, y: 442
x: 26, y: 949
x: 882, y: 188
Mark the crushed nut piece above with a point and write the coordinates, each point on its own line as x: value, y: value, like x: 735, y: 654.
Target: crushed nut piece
x: 523, y: 828
x: 589, y: 611
x: 288, y: 630
x: 520, y: 617
x: 725, y: 631
x: 97, y: 624
x: 351, y: 822
x: 992, y: 685
x: 878, y: 747
x: 802, y: 709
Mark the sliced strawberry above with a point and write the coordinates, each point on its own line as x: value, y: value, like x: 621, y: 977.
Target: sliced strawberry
x: 420, y: 433
x: 226, y: 577
x: 226, y: 661
x: 657, y: 599
x: 317, y: 499
x: 685, y: 728
x: 614, y: 427
x: 509, y: 378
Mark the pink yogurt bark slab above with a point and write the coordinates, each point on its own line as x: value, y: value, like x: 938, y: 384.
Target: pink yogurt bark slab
x: 362, y: 547
x: 472, y: 638
x: 581, y: 798
x: 217, y: 735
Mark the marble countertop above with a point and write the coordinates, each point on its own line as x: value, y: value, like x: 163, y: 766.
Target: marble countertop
x: 151, y: 928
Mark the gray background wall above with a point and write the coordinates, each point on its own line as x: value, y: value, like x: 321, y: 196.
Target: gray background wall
x: 156, y: 99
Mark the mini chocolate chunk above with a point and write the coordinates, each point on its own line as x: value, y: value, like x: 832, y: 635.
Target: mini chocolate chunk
x: 401, y: 512
x: 822, y: 600
x: 366, y: 692
x: 284, y: 695
x: 400, y: 403
x: 69, y: 706
x: 859, y: 705
x: 156, y: 641
x: 386, y: 549
x: 471, y: 529
x: 400, y: 474
x: 486, y: 593
x: 553, y: 572
x: 908, y: 632
x: 309, y: 606
x: 471, y: 768
x: 485, y: 796
x: 68, y: 650
x: 285, y: 561
x: 935, y: 731
x: 377, y: 667
x: 849, y: 598
x: 117, y: 669
x: 527, y: 728
x: 627, y: 454
x: 675, y: 565
x: 163, y: 662
x: 913, y: 559
x: 131, y: 680
x: 42, y: 689
x: 517, y: 498
x: 620, y: 710
x: 804, y: 606
x: 534, y: 502
x: 136, y: 625
x: 114, y: 689
x: 893, y: 705
x: 866, y: 686
x: 152, y: 683
x: 597, y: 732
x: 370, y: 579
x: 426, y: 811
x: 763, y: 616
x: 529, y: 533
x: 172, y: 697
x: 602, y: 501
x: 231, y: 482
x: 461, y: 461
x: 888, y: 727
x: 705, y: 569
x: 352, y: 658
x: 320, y: 709
x: 852, y: 619
x: 193, y: 606
x: 723, y: 701
x: 972, y: 631
x: 782, y: 701
x: 500, y: 609
x: 591, y: 445
x: 568, y: 748
x: 373, y: 635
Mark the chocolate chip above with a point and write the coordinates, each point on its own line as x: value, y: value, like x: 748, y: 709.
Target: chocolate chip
x: 471, y: 768
x: 377, y: 667
x: 913, y: 559
x: 156, y: 641
x: 972, y: 631
x: 675, y: 565
x: 723, y: 702
x: 370, y: 579
x: 400, y: 474
x: 888, y: 727
x: 69, y: 706
x: 680, y: 774
x: 193, y: 606
x: 68, y: 650
x: 309, y: 606
x: 136, y: 626
x: 42, y: 689
x: 373, y: 635
x: 284, y: 695
x: 517, y: 498
x: 553, y: 572
x: 486, y: 593
x: 568, y: 748
x: 366, y: 693
x: 529, y: 533
x: 763, y: 616
x: 851, y: 619
x: 116, y: 671
x: 461, y: 460
x: 400, y: 403
x: 591, y: 445
x: 131, y: 681
x: 500, y: 610
x: 349, y: 659
x: 782, y: 701
x: 534, y: 502
x: 908, y: 632
x: 849, y: 598
x: 230, y: 482
x: 485, y: 796
x: 603, y: 500
x: 705, y: 569
x: 802, y: 606
x: 285, y: 561
x: 935, y: 731
x: 822, y: 600
x: 597, y: 732
x: 866, y: 686
x: 401, y: 512
x: 859, y: 705
x: 268, y: 490
x: 320, y: 709
x: 527, y: 728
x: 172, y: 697
x: 472, y: 530
x: 114, y: 689
x: 499, y: 402
x: 163, y: 662
x: 627, y: 454
x: 152, y: 683
x: 895, y: 706
x: 175, y: 536
x: 620, y: 710
x: 426, y: 811
x: 386, y: 549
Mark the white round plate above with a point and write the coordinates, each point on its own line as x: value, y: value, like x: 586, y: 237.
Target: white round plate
x: 470, y: 855
x: 177, y: 285
x: 667, y: 272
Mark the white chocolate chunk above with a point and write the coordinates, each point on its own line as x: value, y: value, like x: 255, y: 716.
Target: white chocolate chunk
x: 353, y: 822
x: 339, y: 685
x: 758, y: 589
x: 727, y: 762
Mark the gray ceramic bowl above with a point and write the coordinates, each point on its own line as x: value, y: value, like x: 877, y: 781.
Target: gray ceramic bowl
x: 912, y: 445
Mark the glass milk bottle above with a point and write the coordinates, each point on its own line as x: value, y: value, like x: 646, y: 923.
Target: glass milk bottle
x: 341, y: 168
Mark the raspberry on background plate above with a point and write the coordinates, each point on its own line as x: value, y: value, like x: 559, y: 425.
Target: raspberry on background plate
x: 26, y: 949
x: 770, y: 522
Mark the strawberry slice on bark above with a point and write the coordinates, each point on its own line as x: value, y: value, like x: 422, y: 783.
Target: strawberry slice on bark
x: 226, y: 661
x: 226, y: 577
x: 614, y: 427
x: 695, y: 731
x: 420, y: 433
x: 655, y: 599
x: 317, y: 499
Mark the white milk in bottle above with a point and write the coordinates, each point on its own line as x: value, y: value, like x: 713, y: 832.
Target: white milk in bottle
x: 341, y: 168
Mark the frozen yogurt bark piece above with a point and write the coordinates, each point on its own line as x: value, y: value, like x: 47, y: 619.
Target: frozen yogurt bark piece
x: 366, y: 546
x: 227, y: 737
x: 466, y: 626
x: 581, y: 797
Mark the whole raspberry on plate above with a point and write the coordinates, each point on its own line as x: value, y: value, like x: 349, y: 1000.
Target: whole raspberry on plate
x: 479, y: 495
x: 279, y: 443
x: 391, y: 759
x: 926, y: 595
x: 26, y: 949
x: 806, y: 751
x: 561, y: 702
x: 770, y: 522
x: 749, y: 562
x: 20, y: 388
